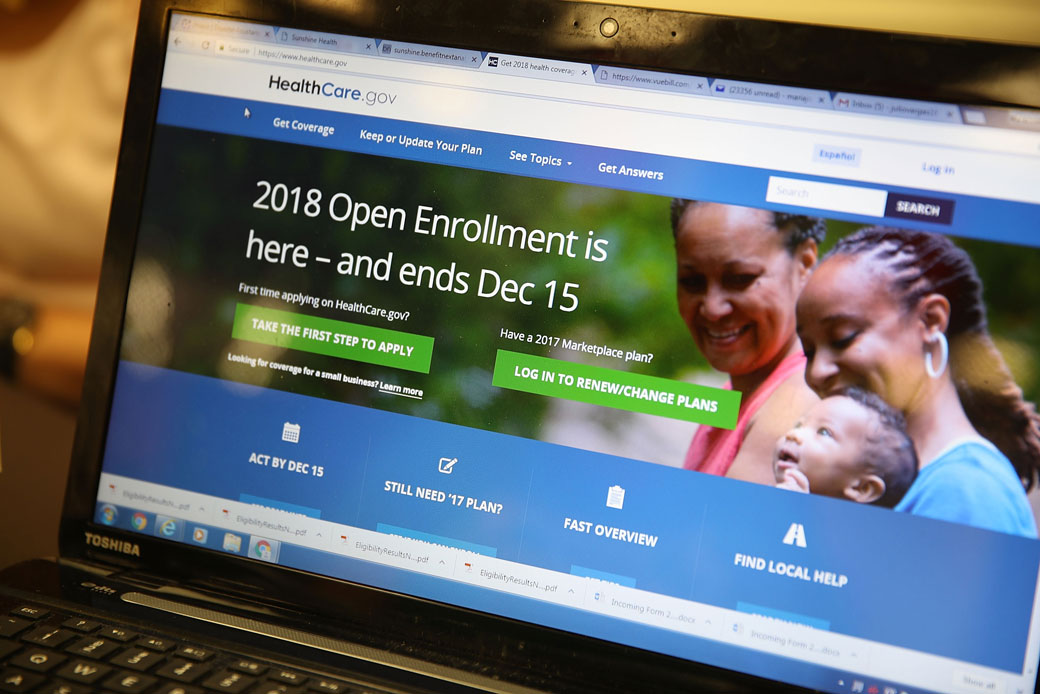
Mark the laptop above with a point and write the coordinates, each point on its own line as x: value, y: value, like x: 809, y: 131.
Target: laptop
x: 485, y: 347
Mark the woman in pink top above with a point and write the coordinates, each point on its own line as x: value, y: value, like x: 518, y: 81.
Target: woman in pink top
x: 740, y: 270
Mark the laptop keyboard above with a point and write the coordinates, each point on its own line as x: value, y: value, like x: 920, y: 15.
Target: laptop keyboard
x: 45, y: 651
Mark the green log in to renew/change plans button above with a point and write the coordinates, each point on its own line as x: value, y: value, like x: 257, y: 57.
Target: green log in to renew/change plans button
x: 618, y: 389
x: 335, y: 338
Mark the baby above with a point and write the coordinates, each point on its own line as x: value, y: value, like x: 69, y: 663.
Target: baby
x: 850, y: 446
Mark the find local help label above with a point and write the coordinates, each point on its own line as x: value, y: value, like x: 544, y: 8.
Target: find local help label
x: 791, y: 570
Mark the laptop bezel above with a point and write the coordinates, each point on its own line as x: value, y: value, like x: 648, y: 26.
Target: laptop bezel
x: 949, y: 70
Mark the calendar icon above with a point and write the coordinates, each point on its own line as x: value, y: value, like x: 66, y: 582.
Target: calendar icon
x: 291, y: 432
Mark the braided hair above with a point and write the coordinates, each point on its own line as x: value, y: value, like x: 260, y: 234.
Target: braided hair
x: 923, y: 263
x: 800, y: 226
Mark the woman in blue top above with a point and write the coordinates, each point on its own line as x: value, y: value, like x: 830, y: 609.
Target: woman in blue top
x: 900, y: 313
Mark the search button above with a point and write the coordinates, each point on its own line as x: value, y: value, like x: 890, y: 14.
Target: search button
x: 939, y: 210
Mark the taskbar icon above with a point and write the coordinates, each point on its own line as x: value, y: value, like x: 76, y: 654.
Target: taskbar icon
x: 264, y: 549
x: 169, y: 528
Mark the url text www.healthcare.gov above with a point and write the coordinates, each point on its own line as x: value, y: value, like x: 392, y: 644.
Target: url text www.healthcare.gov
x: 301, y: 58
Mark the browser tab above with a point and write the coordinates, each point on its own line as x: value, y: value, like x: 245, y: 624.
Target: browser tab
x: 318, y: 39
x: 204, y: 25
x: 771, y: 94
x: 1023, y: 119
x: 523, y: 66
x: 645, y: 79
x: 994, y: 117
x: 897, y: 108
x: 429, y: 54
x: 973, y: 116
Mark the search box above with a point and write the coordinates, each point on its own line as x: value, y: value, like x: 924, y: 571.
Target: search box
x: 869, y: 202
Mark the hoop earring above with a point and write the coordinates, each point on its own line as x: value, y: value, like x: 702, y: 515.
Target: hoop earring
x: 944, y: 352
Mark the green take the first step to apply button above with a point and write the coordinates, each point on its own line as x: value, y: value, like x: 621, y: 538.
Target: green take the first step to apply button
x: 618, y: 389
x: 334, y: 338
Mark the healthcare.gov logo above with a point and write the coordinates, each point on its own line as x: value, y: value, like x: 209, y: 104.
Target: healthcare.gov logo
x: 795, y: 535
x: 331, y: 89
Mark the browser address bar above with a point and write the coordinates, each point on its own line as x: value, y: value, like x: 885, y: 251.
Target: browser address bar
x: 990, y: 139
x: 595, y: 115
x: 296, y: 57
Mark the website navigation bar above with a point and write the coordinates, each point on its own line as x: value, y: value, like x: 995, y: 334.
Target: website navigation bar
x: 610, y: 167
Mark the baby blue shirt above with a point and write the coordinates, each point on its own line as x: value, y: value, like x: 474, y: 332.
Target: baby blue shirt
x: 975, y: 484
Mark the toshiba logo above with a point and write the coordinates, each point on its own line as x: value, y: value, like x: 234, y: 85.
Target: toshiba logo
x: 110, y: 543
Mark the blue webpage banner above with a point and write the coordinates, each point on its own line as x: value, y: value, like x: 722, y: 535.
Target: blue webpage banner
x: 973, y: 217
x: 862, y: 571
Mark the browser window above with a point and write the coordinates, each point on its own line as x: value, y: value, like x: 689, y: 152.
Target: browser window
x: 612, y: 351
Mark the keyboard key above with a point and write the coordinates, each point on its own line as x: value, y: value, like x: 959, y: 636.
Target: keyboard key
x: 12, y: 680
x: 250, y: 667
x: 48, y: 636
x: 177, y: 689
x: 82, y: 625
x: 129, y: 682
x: 93, y: 647
x: 38, y: 660
x: 118, y: 634
x: 276, y: 688
x: 83, y: 671
x: 10, y: 626
x: 228, y: 681
x: 137, y: 659
x: 65, y: 688
x: 155, y: 644
x: 320, y: 685
x: 194, y: 653
x: 286, y: 677
x: 183, y: 670
x: 8, y: 647
x: 146, y: 664
x: 30, y: 612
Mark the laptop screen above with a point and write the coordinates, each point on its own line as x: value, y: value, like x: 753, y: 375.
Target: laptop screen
x: 735, y: 372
